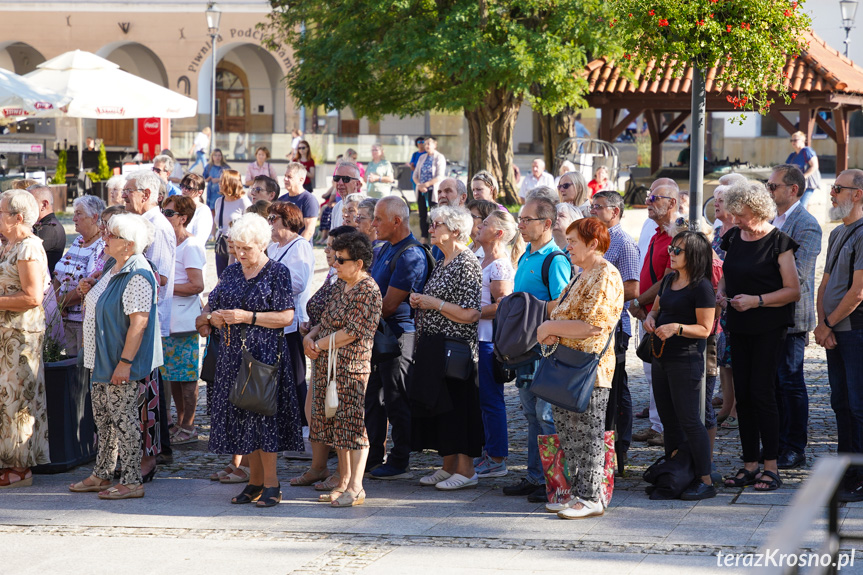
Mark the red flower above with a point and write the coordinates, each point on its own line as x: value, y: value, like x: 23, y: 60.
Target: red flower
x: 787, y: 12
x: 651, y: 13
x: 711, y: 15
x: 745, y: 26
x: 627, y: 56
x: 728, y: 27
x: 663, y: 22
x: 630, y: 14
x: 701, y: 22
x: 794, y: 5
x: 794, y: 96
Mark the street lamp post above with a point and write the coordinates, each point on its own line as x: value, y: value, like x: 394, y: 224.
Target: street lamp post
x: 849, y: 10
x: 214, y: 15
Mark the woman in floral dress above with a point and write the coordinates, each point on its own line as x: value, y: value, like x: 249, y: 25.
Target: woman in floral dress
x: 352, y: 314
x: 23, y: 281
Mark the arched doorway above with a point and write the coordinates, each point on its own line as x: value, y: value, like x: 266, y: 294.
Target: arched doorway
x: 232, y: 99
x: 136, y: 59
x: 19, y: 57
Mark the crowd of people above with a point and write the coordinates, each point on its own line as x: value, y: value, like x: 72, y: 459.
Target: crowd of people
x: 400, y: 338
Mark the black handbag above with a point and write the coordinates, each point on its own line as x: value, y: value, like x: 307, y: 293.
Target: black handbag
x: 643, y: 349
x: 566, y: 377
x: 386, y: 345
x: 221, y: 248
x: 257, y: 385
x: 208, y: 366
x: 458, y: 358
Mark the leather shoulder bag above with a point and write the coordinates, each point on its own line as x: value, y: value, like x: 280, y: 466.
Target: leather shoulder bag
x: 256, y: 388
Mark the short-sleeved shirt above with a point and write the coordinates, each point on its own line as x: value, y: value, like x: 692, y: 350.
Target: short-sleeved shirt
x: 528, y: 276
x: 253, y: 170
x: 624, y: 255
x: 190, y: 254
x: 162, y: 252
x: 299, y: 257
x: 842, y: 268
x: 658, y: 249
x: 202, y: 224
x: 410, y: 273
x: 752, y: 268
x: 801, y: 159
x: 79, y: 262
x: 53, y: 236
x: 307, y: 203
x: 678, y: 306
x: 499, y: 270
x: 232, y: 209
x: 382, y: 169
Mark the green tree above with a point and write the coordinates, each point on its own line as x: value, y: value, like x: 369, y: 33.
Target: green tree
x: 483, y: 58
x: 60, y: 174
x: 103, y: 171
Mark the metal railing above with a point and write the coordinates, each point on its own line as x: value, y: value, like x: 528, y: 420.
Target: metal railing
x: 819, y: 491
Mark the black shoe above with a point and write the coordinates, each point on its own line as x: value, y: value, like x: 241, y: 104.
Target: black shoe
x: 854, y: 493
x: 621, y: 463
x: 149, y: 477
x: 791, y: 460
x: 539, y: 495
x: 163, y: 459
x: 522, y: 488
x: 697, y: 491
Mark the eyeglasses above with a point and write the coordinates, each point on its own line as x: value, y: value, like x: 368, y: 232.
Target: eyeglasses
x: 160, y: 170
x: 365, y: 218
x: 597, y: 207
x: 189, y: 189
x: 169, y: 213
x: 344, y: 179
x: 128, y: 191
x: 837, y: 189
x: 653, y: 197
x: 675, y: 250
x: 528, y: 220
x: 273, y: 218
x: 476, y: 217
x: 773, y: 187
x: 112, y: 236
x: 565, y: 186
x: 257, y: 189
x: 341, y: 261
x: 302, y: 148
x: 436, y: 225
x: 421, y: 142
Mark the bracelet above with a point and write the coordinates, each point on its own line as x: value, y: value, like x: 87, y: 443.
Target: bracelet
x: 254, y: 317
x: 124, y: 360
x: 680, y: 329
x: 635, y: 303
x: 760, y: 301
x: 827, y: 323
x: 440, y: 307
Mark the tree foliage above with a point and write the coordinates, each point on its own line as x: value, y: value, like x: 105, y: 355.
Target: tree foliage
x: 748, y: 40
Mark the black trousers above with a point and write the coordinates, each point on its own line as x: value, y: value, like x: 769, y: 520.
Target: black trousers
x: 677, y: 390
x: 164, y: 433
x: 618, y: 415
x: 754, y: 364
x: 294, y: 344
x: 387, y: 400
x: 424, y: 206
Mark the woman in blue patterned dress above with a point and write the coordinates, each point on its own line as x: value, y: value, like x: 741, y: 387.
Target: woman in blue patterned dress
x: 253, y: 297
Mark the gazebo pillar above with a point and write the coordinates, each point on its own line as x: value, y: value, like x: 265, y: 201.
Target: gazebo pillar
x: 840, y: 118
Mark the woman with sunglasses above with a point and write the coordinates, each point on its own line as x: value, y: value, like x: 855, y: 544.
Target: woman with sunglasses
x: 573, y: 189
x: 182, y: 347
x: 759, y: 288
x: 201, y: 225
x: 679, y: 323
x: 303, y: 155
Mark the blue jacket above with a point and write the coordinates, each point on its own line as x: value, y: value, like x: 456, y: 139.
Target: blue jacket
x: 804, y: 229
x: 112, y: 324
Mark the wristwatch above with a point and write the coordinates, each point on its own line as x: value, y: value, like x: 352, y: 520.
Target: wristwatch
x: 209, y: 317
x: 760, y: 301
x: 124, y: 360
x: 635, y: 303
x: 680, y: 329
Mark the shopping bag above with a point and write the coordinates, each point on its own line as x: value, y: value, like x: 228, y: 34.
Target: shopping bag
x: 554, y: 468
x: 608, y: 467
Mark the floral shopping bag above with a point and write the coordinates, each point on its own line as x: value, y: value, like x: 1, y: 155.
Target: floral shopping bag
x: 608, y: 467
x: 558, y: 484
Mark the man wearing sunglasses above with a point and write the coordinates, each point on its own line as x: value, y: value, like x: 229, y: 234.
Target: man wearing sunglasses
x: 295, y: 175
x: 787, y: 185
x: 662, y: 208
x: 163, y: 166
x: 840, y: 321
x: 263, y: 188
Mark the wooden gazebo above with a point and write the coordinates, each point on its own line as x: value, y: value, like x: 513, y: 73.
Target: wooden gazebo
x: 821, y: 78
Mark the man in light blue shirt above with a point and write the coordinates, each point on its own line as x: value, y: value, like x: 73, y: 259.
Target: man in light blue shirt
x: 534, y: 224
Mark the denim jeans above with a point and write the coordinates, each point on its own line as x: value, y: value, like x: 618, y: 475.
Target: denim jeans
x: 791, y: 395
x: 845, y: 372
x: 540, y: 421
x: 199, y: 159
x: 807, y: 195
x: 492, y: 404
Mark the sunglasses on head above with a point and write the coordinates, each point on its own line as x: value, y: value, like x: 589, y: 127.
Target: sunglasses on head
x: 344, y: 179
x: 675, y: 250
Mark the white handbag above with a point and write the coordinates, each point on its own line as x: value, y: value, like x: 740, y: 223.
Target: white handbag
x: 184, y: 311
x: 331, y: 402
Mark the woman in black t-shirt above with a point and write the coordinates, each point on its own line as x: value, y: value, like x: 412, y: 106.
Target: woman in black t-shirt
x: 680, y: 321
x: 760, y: 286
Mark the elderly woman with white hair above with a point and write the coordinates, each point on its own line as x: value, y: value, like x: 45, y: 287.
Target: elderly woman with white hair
x: 445, y: 413
x: 251, y: 305
x: 115, y: 190
x: 23, y: 281
x: 759, y: 287
x: 81, y: 260
x: 123, y: 351
x: 566, y: 214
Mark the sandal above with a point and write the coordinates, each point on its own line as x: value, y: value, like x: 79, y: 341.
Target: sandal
x: 772, y: 485
x: 114, y: 492
x: 239, y: 475
x: 747, y: 479
x: 217, y: 476
x: 12, y: 478
x: 83, y: 487
x: 331, y: 496
x: 329, y: 483
x: 348, y: 499
x: 730, y: 423
x: 309, y: 477
x: 270, y: 497
x: 250, y: 494
x: 184, y: 436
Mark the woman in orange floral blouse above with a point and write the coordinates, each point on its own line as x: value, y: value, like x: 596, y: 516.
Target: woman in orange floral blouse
x: 583, y: 318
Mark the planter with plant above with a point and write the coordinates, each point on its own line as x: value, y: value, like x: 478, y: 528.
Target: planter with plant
x: 58, y: 182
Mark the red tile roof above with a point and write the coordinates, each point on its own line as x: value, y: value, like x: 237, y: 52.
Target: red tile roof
x: 821, y: 68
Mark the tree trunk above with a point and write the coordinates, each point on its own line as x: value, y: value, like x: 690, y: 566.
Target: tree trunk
x: 490, y: 128
x: 556, y: 129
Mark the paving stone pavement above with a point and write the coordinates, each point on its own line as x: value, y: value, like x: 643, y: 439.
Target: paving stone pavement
x: 404, y: 527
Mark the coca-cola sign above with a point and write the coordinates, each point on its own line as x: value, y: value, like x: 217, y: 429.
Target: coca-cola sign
x: 13, y: 112
x: 152, y: 126
x: 43, y: 106
x: 111, y: 110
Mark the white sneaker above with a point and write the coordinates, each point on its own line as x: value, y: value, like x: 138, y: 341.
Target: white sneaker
x: 588, y: 509
x: 556, y: 507
x: 435, y: 478
x: 458, y: 481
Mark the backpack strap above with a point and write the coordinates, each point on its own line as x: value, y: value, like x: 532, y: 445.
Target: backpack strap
x: 546, y: 269
x: 430, y: 261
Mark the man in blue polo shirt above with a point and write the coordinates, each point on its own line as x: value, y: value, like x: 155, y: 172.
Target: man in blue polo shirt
x: 534, y: 224
x: 398, y: 272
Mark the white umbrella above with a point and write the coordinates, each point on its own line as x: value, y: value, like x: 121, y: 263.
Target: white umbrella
x: 100, y: 90
x: 20, y: 97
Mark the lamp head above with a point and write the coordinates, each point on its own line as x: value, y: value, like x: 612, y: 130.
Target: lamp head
x: 849, y: 10
x: 214, y: 15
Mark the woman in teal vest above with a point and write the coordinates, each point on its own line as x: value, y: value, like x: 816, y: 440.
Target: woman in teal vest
x: 122, y: 349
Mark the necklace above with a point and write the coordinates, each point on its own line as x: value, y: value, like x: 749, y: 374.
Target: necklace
x: 90, y: 239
